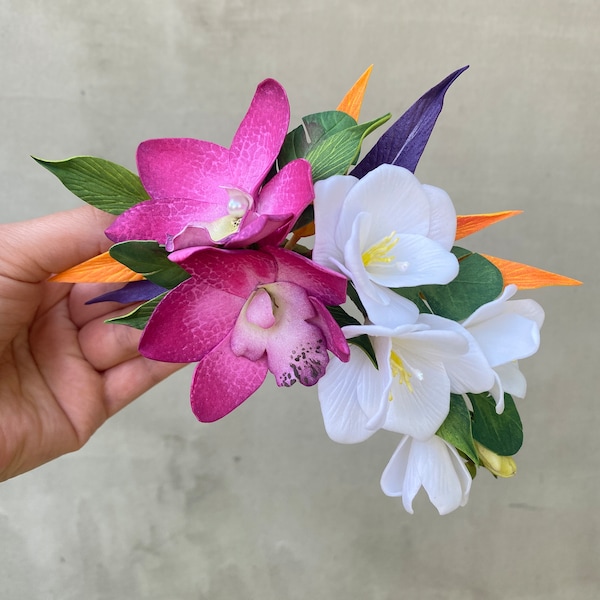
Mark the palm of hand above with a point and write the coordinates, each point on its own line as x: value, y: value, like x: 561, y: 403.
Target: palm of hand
x: 63, y: 371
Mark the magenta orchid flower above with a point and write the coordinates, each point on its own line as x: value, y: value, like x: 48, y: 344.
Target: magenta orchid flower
x: 202, y: 194
x: 243, y: 313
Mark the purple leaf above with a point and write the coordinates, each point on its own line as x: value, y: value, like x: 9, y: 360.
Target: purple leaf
x: 403, y: 143
x: 134, y: 291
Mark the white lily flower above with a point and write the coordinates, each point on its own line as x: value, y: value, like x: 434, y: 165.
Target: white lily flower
x: 418, y: 366
x: 384, y: 231
x: 507, y: 331
x: 432, y: 464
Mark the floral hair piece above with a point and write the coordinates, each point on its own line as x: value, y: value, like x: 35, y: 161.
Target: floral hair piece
x: 400, y: 328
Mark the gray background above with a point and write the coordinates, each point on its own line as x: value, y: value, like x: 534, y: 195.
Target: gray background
x: 262, y: 505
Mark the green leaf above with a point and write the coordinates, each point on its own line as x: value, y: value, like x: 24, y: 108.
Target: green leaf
x: 98, y: 182
x: 151, y: 260
x: 335, y: 154
x: 138, y: 317
x: 502, y: 434
x: 456, y: 429
x: 314, y: 129
x: 330, y: 141
x: 478, y: 282
x: 363, y: 342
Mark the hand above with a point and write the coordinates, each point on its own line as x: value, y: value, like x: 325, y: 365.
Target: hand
x: 63, y: 371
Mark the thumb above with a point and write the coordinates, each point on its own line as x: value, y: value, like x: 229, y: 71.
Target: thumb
x: 35, y: 249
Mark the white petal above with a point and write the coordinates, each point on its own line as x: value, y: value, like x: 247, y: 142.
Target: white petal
x: 443, y: 473
x: 529, y: 309
x: 468, y: 371
x: 506, y: 337
x: 417, y: 260
x: 394, y: 311
x: 513, y: 381
x: 395, y: 198
x: 420, y: 409
x: 394, y: 480
x: 442, y: 226
x: 329, y: 198
x: 491, y: 309
x: 345, y: 392
x: 433, y: 464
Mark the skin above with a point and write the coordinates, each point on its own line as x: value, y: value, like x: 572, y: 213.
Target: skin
x: 63, y: 371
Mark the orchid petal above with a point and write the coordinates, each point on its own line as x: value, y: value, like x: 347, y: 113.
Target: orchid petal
x: 235, y: 271
x: 334, y: 337
x: 189, y: 322
x: 290, y: 191
x: 222, y: 381
x: 326, y: 285
x: 183, y: 168
x: 163, y: 219
x: 260, y: 135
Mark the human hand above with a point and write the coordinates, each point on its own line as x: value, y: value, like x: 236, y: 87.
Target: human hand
x: 63, y: 371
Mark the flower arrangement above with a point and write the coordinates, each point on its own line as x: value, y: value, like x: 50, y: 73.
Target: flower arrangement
x: 400, y: 328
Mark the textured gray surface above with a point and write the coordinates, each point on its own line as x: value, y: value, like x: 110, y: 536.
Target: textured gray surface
x: 262, y: 505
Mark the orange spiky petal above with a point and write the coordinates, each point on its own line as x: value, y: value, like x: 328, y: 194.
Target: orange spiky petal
x: 526, y: 277
x: 469, y: 224
x: 99, y: 269
x: 306, y: 231
x: 352, y: 102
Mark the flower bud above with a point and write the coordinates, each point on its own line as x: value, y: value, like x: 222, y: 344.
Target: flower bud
x: 500, y: 466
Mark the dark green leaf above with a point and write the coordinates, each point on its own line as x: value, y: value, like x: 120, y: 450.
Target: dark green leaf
x: 478, y: 282
x: 138, y: 317
x: 330, y: 141
x: 151, y: 260
x: 456, y: 429
x: 502, y: 434
x: 98, y: 182
x: 342, y: 318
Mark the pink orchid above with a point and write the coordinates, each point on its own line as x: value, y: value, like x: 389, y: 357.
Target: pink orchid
x: 243, y: 313
x: 205, y: 195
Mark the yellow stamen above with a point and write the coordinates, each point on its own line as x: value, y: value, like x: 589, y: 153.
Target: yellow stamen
x: 399, y: 370
x: 379, y: 252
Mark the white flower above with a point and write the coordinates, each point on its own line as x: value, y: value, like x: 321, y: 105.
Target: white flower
x: 418, y: 367
x: 384, y: 231
x: 433, y: 464
x: 507, y: 331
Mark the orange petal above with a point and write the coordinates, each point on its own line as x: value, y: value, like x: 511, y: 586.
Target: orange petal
x: 352, y: 101
x: 468, y: 224
x: 526, y: 277
x: 100, y: 269
x: 306, y: 231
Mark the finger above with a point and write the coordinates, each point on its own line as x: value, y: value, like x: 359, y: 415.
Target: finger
x: 105, y: 345
x: 129, y: 380
x: 53, y: 243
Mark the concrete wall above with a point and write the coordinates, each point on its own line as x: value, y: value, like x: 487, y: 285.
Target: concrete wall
x: 262, y: 505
